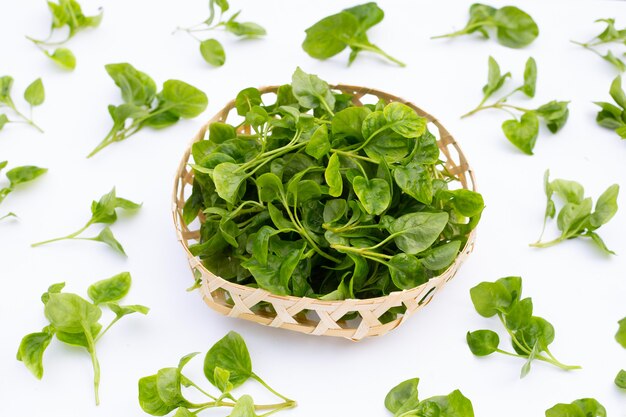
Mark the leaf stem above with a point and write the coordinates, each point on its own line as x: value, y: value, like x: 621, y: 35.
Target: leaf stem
x: 540, y: 244
x: 260, y: 381
x: 70, y: 236
x: 94, y: 361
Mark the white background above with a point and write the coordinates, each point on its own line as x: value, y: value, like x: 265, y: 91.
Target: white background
x: 581, y: 291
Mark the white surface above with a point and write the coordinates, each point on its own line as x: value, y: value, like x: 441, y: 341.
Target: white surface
x: 578, y: 289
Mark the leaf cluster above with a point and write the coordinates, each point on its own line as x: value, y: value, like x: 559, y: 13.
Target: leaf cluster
x: 522, y: 133
x: 584, y: 407
x: 17, y: 176
x: 211, y: 49
x: 348, y: 28
x: 576, y: 218
x: 403, y: 401
x: 530, y: 335
x: 143, y: 106
x: 613, y: 116
x: 103, y: 211
x: 514, y: 27
x: 65, y: 13
x: 314, y: 196
x: 227, y: 366
x: 76, y: 321
x: 34, y: 95
x: 609, y: 36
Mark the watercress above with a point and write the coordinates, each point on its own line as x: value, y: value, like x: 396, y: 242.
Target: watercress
x: 522, y: 133
x: 576, y: 218
x: 514, y: 27
x: 403, y: 401
x: 227, y: 365
x: 103, y: 211
x: 348, y: 28
x: 211, y: 49
x: 613, y: 116
x: 34, y: 95
x: 314, y: 196
x: 620, y: 379
x: 585, y: 407
x: 610, y: 35
x: 620, y: 336
x: 530, y: 335
x: 143, y: 106
x: 65, y: 13
x: 76, y: 322
x: 17, y: 176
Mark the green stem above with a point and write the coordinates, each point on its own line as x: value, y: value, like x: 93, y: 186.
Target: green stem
x: 353, y: 155
x: 260, y: 381
x: 107, y: 328
x: 546, y: 244
x: 360, y: 251
x: 94, y: 361
x: 463, y: 31
x: 26, y: 119
x: 377, y: 50
x: 70, y: 236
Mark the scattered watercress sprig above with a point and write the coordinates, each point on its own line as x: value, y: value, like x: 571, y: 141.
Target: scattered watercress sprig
x: 514, y: 27
x: 34, y: 96
x: 17, y: 176
x: 610, y: 35
x: 530, y: 335
x: 576, y: 219
x: 143, y: 106
x: 314, y: 196
x: 348, y: 28
x: 584, y: 407
x: 227, y: 365
x: 65, y: 13
x: 211, y: 49
x: 76, y: 321
x: 102, y: 211
x: 614, y: 116
x: 523, y: 132
x: 403, y: 401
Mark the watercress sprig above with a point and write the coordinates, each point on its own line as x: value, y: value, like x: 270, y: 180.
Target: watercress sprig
x: 314, y: 195
x: 17, y: 176
x: 102, y: 211
x: 514, y: 27
x: 143, y: 106
x: 76, y: 322
x: 227, y: 365
x: 522, y: 133
x: 610, y: 35
x: 530, y: 335
x: 576, y: 219
x: 211, y: 49
x: 614, y: 116
x: 65, y: 13
x: 403, y: 401
x: 348, y: 28
x: 34, y: 96
x: 588, y: 407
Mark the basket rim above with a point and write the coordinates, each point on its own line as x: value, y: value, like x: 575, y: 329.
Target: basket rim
x: 179, y: 185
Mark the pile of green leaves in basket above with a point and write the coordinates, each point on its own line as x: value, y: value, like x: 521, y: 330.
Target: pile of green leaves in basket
x: 322, y: 198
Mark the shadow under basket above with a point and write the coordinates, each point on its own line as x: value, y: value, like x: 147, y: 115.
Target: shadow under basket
x: 353, y: 319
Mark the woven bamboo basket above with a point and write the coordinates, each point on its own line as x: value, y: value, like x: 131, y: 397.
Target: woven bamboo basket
x: 309, y: 315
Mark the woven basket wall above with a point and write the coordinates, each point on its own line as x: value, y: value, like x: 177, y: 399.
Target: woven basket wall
x: 308, y: 315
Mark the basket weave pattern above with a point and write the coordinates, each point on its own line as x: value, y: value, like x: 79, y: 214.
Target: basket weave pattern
x: 309, y: 315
